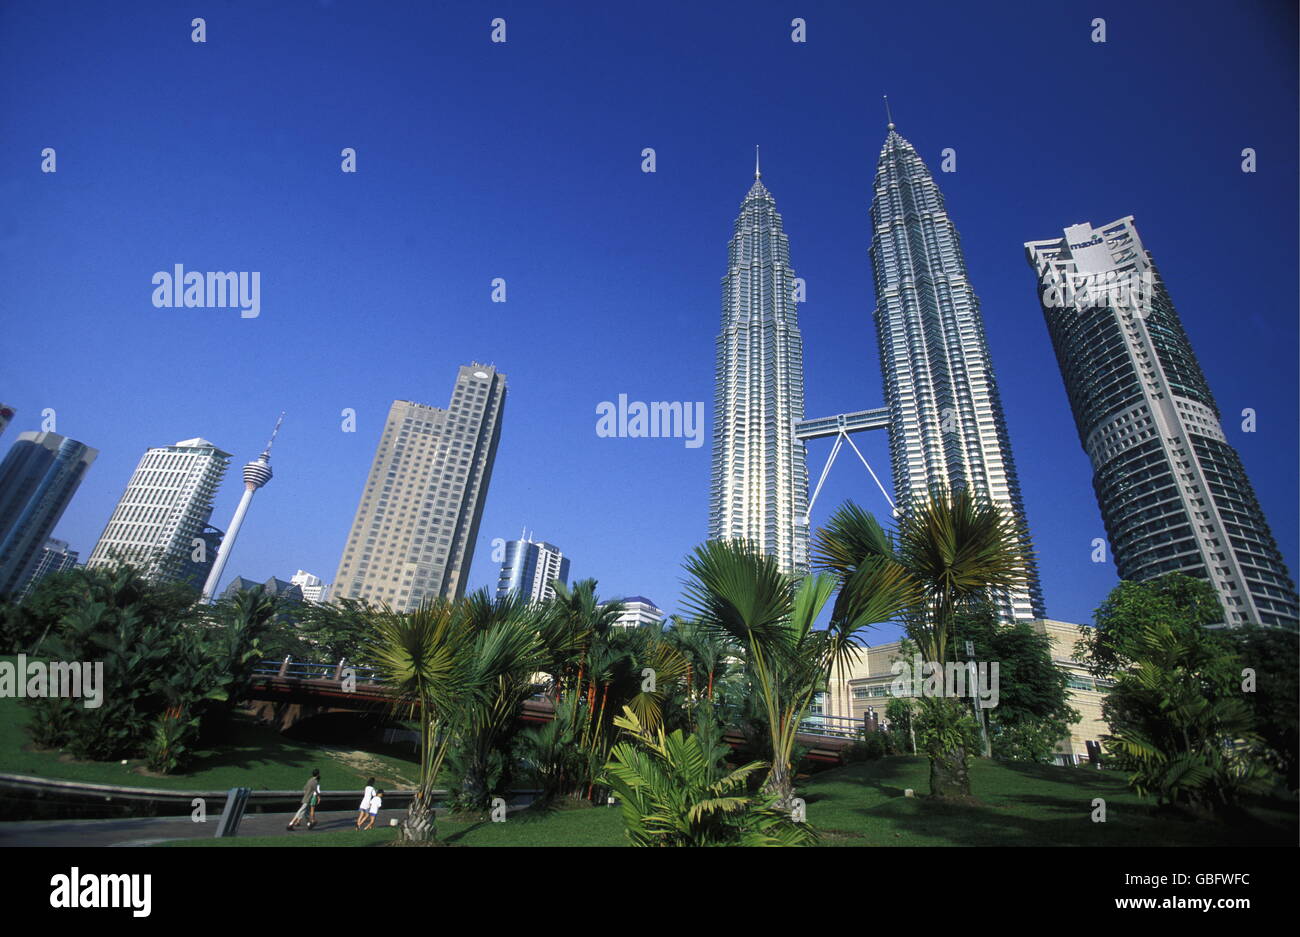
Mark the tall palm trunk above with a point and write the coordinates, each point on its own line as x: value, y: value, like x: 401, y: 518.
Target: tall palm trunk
x: 780, y: 781
x: 418, y: 826
x: 949, y: 775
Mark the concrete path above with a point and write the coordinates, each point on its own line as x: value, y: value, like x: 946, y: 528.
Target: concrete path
x: 144, y: 831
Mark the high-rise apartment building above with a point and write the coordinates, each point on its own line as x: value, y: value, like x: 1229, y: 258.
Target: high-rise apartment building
x: 38, y: 478
x: 413, y: 535
x: 530, y: 568
x: 160, y: 524
x: 1173, y: 493
x: 759, y: 488
x: 946, y: 425
x: 54, y: 557
x: 312, y: 587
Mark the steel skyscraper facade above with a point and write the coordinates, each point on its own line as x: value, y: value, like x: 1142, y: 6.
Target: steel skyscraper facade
x: 946, y: 424
x: 759, y: 488
x: 38, y: 478
x: 413, y: 535
x: 530, y: 568
x: 1173, y: 493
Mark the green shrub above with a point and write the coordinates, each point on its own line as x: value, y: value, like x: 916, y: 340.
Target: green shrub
x: 868, y: 749
x: 168, y: 749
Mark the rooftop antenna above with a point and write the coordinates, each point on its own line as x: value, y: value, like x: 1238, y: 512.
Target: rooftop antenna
x: 757, y: 172
x: 275, y: 432
x: 888, y: 115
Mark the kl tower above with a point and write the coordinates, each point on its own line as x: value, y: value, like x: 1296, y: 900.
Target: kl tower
x: 256, y: 474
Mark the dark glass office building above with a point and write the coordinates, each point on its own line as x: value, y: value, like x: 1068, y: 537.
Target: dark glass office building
x: 38, y: 478
x: 1173, y: 493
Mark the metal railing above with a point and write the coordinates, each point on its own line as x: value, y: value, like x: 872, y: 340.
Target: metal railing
x: 308, y: 670
x: 827, y: 726
x: 838, y: 727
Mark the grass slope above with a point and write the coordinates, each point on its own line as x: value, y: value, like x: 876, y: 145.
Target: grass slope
x: 256, y: 757
x: 863, y: 805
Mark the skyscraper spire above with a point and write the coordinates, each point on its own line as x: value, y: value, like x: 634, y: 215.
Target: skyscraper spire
x: 757, y: 172
x: 888, y: 116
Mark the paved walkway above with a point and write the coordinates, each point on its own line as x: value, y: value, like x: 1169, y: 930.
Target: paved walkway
x: 144, y: 831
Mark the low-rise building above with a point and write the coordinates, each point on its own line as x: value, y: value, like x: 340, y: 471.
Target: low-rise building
x: 864, y: 688
x: 638, y: 611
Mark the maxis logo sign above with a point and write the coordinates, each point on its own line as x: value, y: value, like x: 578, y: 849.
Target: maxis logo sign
x: 89, y: 890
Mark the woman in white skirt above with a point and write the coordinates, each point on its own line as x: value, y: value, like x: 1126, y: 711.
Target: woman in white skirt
x: 364, y: 810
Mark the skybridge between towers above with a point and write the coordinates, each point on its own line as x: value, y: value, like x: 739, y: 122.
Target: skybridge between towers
x: 840, y: 427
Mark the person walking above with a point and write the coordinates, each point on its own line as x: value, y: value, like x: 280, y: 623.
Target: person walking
x: 310, y: 798
x: 365, y: 802
x: 376, y: 802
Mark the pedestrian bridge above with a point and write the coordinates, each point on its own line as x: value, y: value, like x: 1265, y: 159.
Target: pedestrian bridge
x: 286, y: 692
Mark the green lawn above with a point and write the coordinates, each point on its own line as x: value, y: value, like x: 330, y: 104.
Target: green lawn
x: 258, y: 757
x: 1023, y: 805
x: 863, y: 805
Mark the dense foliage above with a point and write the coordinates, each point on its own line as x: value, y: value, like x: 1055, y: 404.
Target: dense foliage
x: 170, y: 674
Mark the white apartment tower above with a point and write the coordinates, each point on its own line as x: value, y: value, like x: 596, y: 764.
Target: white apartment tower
x: 166, y: 506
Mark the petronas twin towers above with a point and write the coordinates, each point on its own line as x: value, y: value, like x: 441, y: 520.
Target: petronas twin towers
x: 760, y: 471
x: 944, y: 416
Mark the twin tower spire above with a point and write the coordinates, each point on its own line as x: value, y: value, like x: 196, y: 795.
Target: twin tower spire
x: 944, y: 415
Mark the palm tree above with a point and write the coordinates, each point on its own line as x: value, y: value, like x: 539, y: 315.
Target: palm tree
x: 744, y: 596
x: 960, y: 548
x: 574, y: 618
x: 707, y: 654
x: 422, y: 656
x: 674, y: 794
x: 506, y: 653
x: 1178, y: 726
x: 598, y: 668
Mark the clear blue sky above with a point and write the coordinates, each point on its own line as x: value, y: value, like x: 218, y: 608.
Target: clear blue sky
x: 480, y: 160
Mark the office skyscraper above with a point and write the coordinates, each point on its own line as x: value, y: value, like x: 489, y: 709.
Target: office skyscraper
x: 946, y: 425
x: 160, y: 524
x: 759, y: 487
x: 54, y: 557
x: 1172, y: 491
x: 38, y: 478
x: 197, y: 564
x: 529, y: 569
x: 413, y: 535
